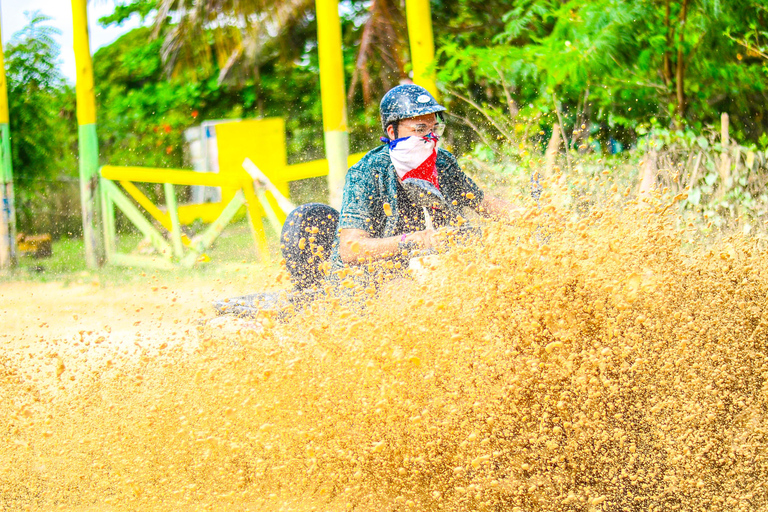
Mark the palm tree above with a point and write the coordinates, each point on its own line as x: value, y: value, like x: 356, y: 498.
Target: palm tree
x: 236, y: 34
x: 383, y: 41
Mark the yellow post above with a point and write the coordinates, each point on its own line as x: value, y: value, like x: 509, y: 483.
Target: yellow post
x: 7, y: 207
x: 419, y: 20
x: 88, y: 143
x: 332, y: 95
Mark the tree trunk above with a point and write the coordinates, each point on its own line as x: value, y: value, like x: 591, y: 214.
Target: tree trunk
x: 680, y: 74
x: 725, y: 156
x: 667, y: 71
x: 552, y: 149
x: 259, y: 90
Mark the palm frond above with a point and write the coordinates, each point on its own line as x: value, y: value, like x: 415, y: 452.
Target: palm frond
x: 382, y: 46
x: 231, y: 33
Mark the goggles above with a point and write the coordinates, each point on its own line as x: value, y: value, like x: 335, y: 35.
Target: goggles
x: 422, y: 130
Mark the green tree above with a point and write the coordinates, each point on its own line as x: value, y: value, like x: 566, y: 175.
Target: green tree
x: 611, y: 62
x: 140, y: 83
x: 143, y: 112
x: 240, y: 38
x: 39, y: 102
x: 43, y: 129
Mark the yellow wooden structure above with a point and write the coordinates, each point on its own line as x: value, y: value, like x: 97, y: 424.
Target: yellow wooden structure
x: 181, y: 250
x: 261, y: 141
x: 332, y: 95
x: 7, y: 206
x: 419, y: 19
x: 88, y: 145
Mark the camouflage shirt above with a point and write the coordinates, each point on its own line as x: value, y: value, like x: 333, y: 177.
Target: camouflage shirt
x: 372, y: 182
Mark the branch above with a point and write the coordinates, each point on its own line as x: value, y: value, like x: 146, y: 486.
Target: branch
x: 639, y: 82
x: 748, y: 46
x: 482, y: 111
x: 562, y: 131
x: 475, y: 128
x: 581, y: 118
x: 510, y: 102
x: 667, y: 72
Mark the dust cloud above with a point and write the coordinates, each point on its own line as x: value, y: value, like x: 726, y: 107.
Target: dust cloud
x: 614, y: 367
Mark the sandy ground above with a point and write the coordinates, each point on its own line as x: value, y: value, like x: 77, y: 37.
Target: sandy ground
x: 86, y: 325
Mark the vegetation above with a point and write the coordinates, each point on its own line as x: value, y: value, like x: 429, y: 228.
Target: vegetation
x: 614, y: 74
x: 43, y: 130
x: 615, y: 65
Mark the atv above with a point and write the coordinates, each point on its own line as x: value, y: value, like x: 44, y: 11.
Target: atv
x: 307, y: 263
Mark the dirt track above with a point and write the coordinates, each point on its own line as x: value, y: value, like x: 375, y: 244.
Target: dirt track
x: 84, y: 325
x: 610, y: 369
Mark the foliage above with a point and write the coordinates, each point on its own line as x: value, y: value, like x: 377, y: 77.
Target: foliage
x: 143, y: 111
x: 38, y: 98
x: 717, y: 188
x: 43, y: 128
x: 123, y: 11
x: 609, y: 71
x: 143, y: 114
x: 721, y: 182
x: 753, y: 38
x: 612, y: 64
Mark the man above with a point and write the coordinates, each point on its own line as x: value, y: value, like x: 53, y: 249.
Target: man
x: 378, y: 217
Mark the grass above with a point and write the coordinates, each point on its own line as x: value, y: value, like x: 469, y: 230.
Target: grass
x: 67, y: 264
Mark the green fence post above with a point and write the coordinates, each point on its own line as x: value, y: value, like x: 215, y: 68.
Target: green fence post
x: 88, y: 143
x: 7, y: 206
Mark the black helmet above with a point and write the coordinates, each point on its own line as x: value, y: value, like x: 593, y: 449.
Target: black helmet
x: 406, y: 101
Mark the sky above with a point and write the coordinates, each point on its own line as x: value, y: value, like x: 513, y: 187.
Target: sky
x: 13, y: 20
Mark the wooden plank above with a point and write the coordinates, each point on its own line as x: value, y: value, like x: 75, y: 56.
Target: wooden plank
x: 153, y: 210
x: 174, y: 176
x: 138, y: 220
x: 108, y: 219
x: 235, y: 142
x: 257, y: 226
x: 206, y: 212
x: 170, y: 202
x: 313, y: 169
x: 269, y: 210
x: 204, y: 240
x: 259, y: 177
x: 277, y: 209
x: 145, y: 203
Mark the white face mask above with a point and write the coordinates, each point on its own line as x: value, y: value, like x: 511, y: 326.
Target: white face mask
x: 415, y: 157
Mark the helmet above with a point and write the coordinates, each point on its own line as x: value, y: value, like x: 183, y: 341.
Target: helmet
x: 406, y: 101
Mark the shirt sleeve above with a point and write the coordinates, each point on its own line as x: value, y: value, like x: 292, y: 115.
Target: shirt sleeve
x: 456, y: 185
x: 357, y: 199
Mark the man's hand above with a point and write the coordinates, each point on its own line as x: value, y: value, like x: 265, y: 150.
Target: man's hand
x: 425, y: 239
